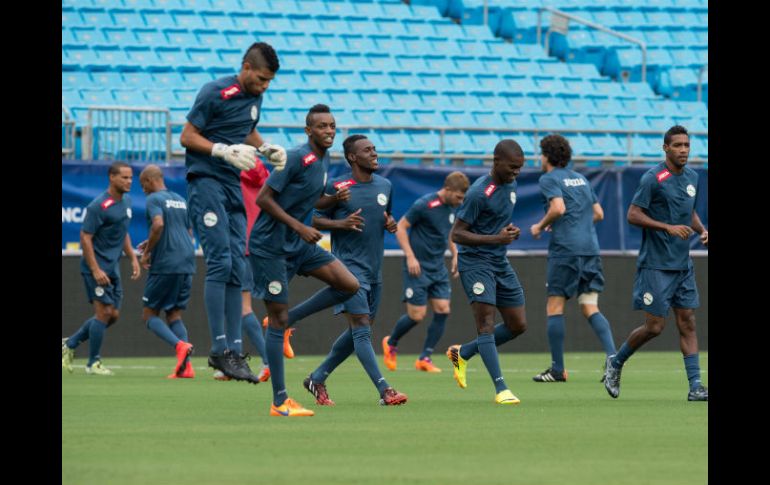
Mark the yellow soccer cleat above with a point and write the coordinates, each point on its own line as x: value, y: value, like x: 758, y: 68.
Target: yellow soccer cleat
x: 290, y: 409
x: 389, y: 352
x: 506, y: 397
x: 98, y: 369
x: 458, y: 365
x: 67, y: 356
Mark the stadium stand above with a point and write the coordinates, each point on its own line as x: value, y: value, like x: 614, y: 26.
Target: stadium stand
x: 430, y: 71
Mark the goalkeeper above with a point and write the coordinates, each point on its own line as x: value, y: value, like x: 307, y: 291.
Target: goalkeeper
x: 221, y: 140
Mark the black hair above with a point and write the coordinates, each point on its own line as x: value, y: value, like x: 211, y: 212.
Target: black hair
x: 347, y: 145
x: 116, y: 166
x: 318, y: 108
x: 261, y: 54
x: 674, y: 130
x: 509, y: 147
x: 556, y: 148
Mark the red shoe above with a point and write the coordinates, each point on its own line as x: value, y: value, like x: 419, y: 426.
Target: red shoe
x: 264, y: 374
x: 188, y: 371
x: 183, y: 351
x: 391, y: 397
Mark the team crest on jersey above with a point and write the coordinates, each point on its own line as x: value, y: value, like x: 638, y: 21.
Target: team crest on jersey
x: 382, y: 199
x: 663, y: 175
x: 451, y: 218
x: 513, y: 197
x: 647, y: 298
x: 345, y: 183
x: 478, y: 288
x: 409, y: 293
x: 108, y: 203
x: 230, y: 91
x: 434, y: 203
x: 490, y: 190
x: 254, y: 112
x: 99, y: 291
x: 691, y: 190
x: 309, y: 159
x: 128, y: 212
x: 210, y: 219
x: 274, y: 287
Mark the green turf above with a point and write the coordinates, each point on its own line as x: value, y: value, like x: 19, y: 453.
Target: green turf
x: 138, y: 427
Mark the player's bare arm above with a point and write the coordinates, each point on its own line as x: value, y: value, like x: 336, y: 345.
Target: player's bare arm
x: 353, y: 222
x: 598, y: 212
x: 156, y: 230
x: 136, y: 270
x: 698, y: 227
x: 412, y: 265
x: 637, y: 217
x: 461, y: 234
x: 556, y: 209
x: 266, y: 201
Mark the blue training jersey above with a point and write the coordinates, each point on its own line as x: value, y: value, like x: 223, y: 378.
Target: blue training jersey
x: 174, y: 253
x: 224, y: 113
x: 573, y: 234
x: 487, y: 209
x: 430, y: 220
x: 668, y: 198
x: 361, y: 252
x: 108, y: 220
x: 298, y: 187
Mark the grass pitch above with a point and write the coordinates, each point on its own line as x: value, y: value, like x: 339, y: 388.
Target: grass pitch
x: 138, y: 427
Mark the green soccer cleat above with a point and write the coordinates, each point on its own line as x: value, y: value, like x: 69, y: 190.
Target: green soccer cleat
x: 98, y: 369
x: 506, y: 397
x: 67, y: 355
x: 458, y: 364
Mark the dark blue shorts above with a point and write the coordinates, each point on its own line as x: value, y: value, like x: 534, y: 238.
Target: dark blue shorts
x: 166, y: 292
x: 272, y: 275
x: 219, y: 220
x: 655, y: 291
x: 433, y: 285
x: 108, y: 295
x: 571, y: 275
x: 248, y: 278
x: 364, y: 302
x: 498, y: 287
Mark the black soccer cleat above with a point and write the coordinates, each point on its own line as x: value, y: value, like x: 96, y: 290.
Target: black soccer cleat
x: 611, y: 377
x: 550, y: 375
x: 700, y: 393
x: 230, y: 366
x: 244, y: 371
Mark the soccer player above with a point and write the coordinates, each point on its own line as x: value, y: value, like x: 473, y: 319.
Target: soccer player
x: 357, y: 239
x: 220, y: 137
x: 664, y: 207
x: 425, y: 276
x: 574, y: 264
x: 281, y: 245
x: 483, y: 229
x: 103, y: 236
x: 169, y: 255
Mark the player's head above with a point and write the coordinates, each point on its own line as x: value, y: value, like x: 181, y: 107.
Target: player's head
x: 455, y: 186
x: 121, y: 177
x: 555, y: 151
x: 676, y: 144
x: 151, y: 179
x: 260, y: 63
x: 360, y: 151
x: 320, y: 126
x: 507, y: 160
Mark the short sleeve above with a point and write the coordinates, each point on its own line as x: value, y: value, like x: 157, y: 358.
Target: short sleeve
x: 93, y: 219
x: 550, y: 187
x: 643, y: 194
x: 203, y: 109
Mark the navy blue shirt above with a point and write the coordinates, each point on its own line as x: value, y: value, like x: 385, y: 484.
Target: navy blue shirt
x: 361, y: 252
x: 298, y: 187
x: 573, y: 234
x: 430, y: 221
x: 668, y: 198
x: 174, y: 252
x: 487, y: 209
x: 224, y: 113
x: 108, y: 220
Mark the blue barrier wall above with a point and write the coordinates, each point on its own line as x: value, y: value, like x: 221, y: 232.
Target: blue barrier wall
x: 82, y: 182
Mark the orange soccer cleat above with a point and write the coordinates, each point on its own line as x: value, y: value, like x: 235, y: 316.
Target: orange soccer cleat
x: 426, y: 365
x: 389, y: 352
x: 288, y: 352
x: 290, y: 409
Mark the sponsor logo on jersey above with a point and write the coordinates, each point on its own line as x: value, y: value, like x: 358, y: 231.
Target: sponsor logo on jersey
x: 210, y: 219
x: 230, y: 91
x: 691, y: 190
x: 490, y: 190
x: 175, y: 204
x: 574, y: 182
x: 663, y: 175
x: 309, y: 159
x: 345, y: 183
x: 434, y: 203
x: 109, y: 202
x: 382, y: 199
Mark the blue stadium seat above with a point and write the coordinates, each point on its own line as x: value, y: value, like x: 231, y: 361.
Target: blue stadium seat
x: 432, y: 80
x: 691, y: 108
x: 371, y: 97
x: 699, y: 147
x: 67, y: 36
x: 126, y: 17
x: 547, y: 121
x: 375, y: 79
x: 180, y: 38
x: 185, y: 97
x: 647, y: 146
x: 77, y: 57
x: 358, y: 42
x: 366, y: 117
x: 520, y: 84
x: 549, y: 84
x: 112, y: 56
x: 608, y: 105
x: 487, y: 119
x: 171, y: 56
x: 70, y: 96
x: 129, y: 97
x: 217, y: 20
x: 426, y: 117
x: 293, y: 40
x: 88, y: 35
x: 157, y: 18
x: 585, y: 70
x: 401, y: 97
x: 211, y: 39
x: 438, y: 63
x: 486, y: 100
x: 387, y: 43
x: 197, y: 76
x: 151, y: 37
x: 230, y: 57
x: 549, y: 104
x: 96, y: 97
x: 390, y: 27
x: 160, y: 97
x: 275, y: 21
x: 640, y: 90
x: 575, y: 121
x: 361, y: 25
x: 238, y: 39
x: 494, y: 64
x: 411, y: 63
x: 245, y: 21
x: 457, y: 118
x: 206, y: 57
x: 168, y: 79
x: 346, y: 79
x: 458, y: 99
x: 397, y: 117
x: 460, y: 81
x: 518, y: 102
x: 425, y: 141
x: 517, y: 120
x: 295, y: 59
x: 168, y: 4
x: 332, y: 23
x: 459, y: 142
x: 76, y: 79
x: 693, y: 124
x: 467, y: 64
x: 403, y: 79
x: 380, y: 62
x: 96, y: 16
x: 608, y: 145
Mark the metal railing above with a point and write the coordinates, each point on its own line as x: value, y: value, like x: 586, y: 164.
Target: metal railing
x: 67, y: 133
x: 702, y: 69
x: 119, y: 132
x: 560, y: 24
